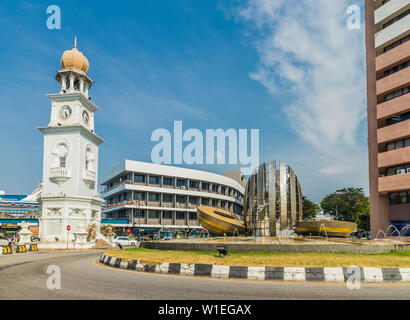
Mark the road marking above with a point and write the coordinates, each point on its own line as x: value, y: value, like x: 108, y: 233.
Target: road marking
x: 264, y: 282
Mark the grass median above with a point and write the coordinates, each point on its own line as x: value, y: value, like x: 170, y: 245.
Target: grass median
x: 266, y: 259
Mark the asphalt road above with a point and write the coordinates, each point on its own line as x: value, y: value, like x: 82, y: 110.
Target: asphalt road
x: 24, y: 276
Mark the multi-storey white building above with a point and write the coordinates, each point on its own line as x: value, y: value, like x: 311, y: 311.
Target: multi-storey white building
x: 167, y: 196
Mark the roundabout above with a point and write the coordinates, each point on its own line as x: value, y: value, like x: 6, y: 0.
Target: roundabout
x: 82, y: 278
x: 301, y: 274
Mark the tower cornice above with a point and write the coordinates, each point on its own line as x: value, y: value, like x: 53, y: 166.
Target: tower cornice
x: 67, y: 72
x: 66, y: 97
x: 66, y: 129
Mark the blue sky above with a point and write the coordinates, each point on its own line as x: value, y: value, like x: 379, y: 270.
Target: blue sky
x: 288, y: 68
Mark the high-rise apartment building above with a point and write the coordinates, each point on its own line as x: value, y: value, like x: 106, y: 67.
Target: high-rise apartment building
x: 388, y: 88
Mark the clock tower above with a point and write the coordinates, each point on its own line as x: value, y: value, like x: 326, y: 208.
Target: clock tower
x: 70, y: 161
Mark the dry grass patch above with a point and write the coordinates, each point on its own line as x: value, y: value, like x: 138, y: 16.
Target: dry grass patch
x: 274, y: 259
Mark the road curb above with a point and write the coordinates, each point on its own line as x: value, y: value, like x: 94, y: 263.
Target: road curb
x: 18, y: 249
x: 297, y: 274
x: 5, y: 250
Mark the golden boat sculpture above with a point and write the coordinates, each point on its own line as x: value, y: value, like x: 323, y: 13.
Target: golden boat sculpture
x: 220, y: 222
x: 332, y: 228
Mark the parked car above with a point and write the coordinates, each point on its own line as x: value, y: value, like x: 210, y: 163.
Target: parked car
x: 4, y: 242
x: 125, y: 241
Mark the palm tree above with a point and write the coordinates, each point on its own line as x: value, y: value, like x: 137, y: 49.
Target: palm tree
x: 91, y: 232
x: 106, y: 229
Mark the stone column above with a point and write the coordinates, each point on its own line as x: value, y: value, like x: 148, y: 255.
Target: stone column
x: 63, y: 83
x: 24, y: 234
x: 82, y: 84
x: 86, y: 87
x: 72, y: 77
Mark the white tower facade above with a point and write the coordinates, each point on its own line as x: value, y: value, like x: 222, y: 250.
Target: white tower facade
x: 70, y: 161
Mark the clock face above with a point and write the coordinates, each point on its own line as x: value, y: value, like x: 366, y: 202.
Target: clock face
x: 65, y: 112
x: 86, y: 117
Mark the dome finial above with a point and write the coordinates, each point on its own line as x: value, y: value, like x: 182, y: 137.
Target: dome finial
x: 74, y: 59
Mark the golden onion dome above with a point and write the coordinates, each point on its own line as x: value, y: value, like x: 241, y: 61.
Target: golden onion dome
x: 74, y: 59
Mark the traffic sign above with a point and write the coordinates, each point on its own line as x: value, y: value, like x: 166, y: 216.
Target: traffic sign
x: 68, y: 228
x: 129, y: 231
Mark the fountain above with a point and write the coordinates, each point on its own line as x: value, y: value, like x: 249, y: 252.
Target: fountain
x: 237, y: 233
x: 324, y: 228
x: 390, y: 227
x: 404, y: 230
x: 377, y: 235
x: 204, y: 231
x: 386, y: 233
x: 361, y: 233
x: 192, y: 234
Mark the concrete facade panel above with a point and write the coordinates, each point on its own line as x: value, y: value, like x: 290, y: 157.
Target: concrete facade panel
x: 393, y: 57
x: 392, y: 82
x: 400, y: 212
x: 383, y: 13
x: 392, y: 33
x: 394, y: 132
x: 394, y: 183
x: 394, y: 157
x: 393, y: 107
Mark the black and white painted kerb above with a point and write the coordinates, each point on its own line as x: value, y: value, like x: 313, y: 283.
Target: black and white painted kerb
x: 370, y: 275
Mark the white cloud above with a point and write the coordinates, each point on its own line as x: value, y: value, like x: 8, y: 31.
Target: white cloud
x: 306, y: 51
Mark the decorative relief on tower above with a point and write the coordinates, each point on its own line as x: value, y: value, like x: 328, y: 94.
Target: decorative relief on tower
x: 89, y: 158
x: 54, y: 212
x: 77, y: 212
x: 56, y: 146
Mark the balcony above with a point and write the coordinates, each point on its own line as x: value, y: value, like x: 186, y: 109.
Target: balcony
x: 387, y: 10
x: 59, y: 175
x: 89, y: 177
x: 394, y: 183
x: 393, y: 107
x: 391, y: 33
x: 393, y: 82
x: 393, y: 132
x: 393, y: 158
x: 393, y: 57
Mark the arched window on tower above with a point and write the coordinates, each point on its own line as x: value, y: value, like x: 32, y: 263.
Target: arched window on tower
x: 77, y: 84
x: 63, y: 161
x: 61, y: 156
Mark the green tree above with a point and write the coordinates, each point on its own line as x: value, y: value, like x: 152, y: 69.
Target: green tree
x: 310, y: 209
x: 351, y: 204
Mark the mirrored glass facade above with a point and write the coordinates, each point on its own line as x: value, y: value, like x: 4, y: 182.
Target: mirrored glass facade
x: 273, y: 199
